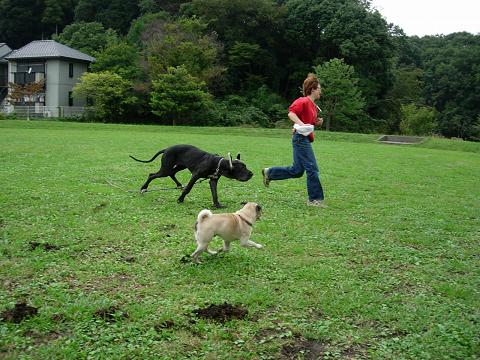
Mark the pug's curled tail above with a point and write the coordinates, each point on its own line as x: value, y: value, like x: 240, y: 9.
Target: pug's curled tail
x: 202, y: 215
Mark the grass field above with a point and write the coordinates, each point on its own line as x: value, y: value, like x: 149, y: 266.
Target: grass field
x: 390, y: 270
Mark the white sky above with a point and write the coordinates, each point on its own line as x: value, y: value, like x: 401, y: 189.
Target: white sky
x: 431, y: 17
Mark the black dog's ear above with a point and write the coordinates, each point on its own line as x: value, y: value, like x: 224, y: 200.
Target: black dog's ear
x: 238, y: 156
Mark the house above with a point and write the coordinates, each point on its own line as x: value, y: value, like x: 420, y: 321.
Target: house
x: 56, y: 66
x: 4, y: 51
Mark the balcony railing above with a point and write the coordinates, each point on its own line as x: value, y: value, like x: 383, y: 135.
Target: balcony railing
x: 38, y: 111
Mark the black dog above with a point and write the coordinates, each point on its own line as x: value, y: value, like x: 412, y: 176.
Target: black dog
x: 201, y: 164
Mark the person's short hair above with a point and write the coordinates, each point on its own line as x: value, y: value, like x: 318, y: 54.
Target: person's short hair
x: 310, y: 84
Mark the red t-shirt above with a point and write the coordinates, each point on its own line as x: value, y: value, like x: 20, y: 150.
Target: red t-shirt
x: 306, y: 111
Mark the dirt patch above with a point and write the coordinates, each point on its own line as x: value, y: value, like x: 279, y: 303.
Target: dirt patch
x: 307, y: 349
x: 167, y: 324
x: 44, y: 246
x: 58, y: 318
x: 100, y: 207
x: 129, y: 259
x: 110, y: 314
x: 355, y: 352
x: 20, y: 312
x: 221, y: 313
x: 39, y: 338
x: 167, y: 227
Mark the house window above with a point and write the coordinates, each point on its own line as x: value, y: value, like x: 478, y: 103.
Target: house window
x: 28, y: 67
x: 70, y: 99
x: 70, y: 70
x: 22, y: 78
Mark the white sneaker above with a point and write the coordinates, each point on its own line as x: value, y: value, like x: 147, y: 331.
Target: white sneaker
x: 266, y: 180
x: 318, y: 203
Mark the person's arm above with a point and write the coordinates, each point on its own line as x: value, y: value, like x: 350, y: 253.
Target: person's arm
x: 292, y: 116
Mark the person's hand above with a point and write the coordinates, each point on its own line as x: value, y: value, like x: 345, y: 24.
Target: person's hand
x: 319, y: 122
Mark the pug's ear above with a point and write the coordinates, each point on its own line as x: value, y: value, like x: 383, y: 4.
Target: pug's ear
x: 259, y: 208
x: 238, y: 156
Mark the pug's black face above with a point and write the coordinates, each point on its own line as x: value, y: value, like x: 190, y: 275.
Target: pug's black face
x: 259, y: 211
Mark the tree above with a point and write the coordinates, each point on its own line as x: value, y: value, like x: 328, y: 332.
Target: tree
x: 317, y: 31
x: 26, y: 93
x: 119, y: 58
x: 182, y: 43
x: 88, y: 38
x: 418, y: 120
x: 253, y: 22
x: 247, y: 65
x: 176, y: 93
x: 341, y: 100
x: 114, y: 14
x: 109, y: 92
x: 56, y: 14
x: 14, y: 30
x: 452, y: 81
x: 408, y: 87
x: 139, y: 26
x: 154, y: 6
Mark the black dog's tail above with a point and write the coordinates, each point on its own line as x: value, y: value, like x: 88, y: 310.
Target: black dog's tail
x: 153, y: 158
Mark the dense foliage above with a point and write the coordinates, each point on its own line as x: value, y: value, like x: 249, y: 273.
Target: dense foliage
x: 243, y: 48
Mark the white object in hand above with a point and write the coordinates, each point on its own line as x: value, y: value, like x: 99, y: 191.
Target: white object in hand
x: 304, y: 130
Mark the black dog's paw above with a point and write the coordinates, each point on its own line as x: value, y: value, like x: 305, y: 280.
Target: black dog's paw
x: 143, y: 191
x: 219, y: 206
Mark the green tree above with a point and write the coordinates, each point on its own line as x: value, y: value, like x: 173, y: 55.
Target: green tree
x: 247, y: 64
x: 114, y: 14
x: 56, y: 14
x: 119, y: 58
x: 110, y: 93
x: 452, y: 81
x: 176, y: 93
x: 341, y: 100
x: 139, y: 26
x: 408, y: 87
x: 14, y: 30
x: 418, y: 120
x: 251, y: 21
x: 317, y: 31
x: 182, y: 43
x: 153, y: 6
x: 255, y: 23
x: 89, y: 38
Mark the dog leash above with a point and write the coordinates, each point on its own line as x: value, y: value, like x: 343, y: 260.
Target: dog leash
x: 215, y: 174
x: 217, y: 170
x: 248, y: 222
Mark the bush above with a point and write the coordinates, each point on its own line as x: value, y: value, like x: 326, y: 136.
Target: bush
x: 235, y: 111
x: 418, y: 120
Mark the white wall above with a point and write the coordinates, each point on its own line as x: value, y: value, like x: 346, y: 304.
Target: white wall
x: 59, y: 83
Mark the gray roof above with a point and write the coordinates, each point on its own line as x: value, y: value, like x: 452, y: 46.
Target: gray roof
x: 4, y: 51
x: 48, y: 49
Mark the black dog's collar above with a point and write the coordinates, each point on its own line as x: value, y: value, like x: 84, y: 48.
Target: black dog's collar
x: 217, y: 171
x: 248, y: 222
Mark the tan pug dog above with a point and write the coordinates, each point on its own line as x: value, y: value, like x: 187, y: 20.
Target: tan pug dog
x: 236, y: 226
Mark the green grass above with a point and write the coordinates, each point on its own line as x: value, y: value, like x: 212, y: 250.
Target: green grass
x: 390, y: 270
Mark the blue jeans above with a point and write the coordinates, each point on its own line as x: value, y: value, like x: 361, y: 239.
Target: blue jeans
x: 303, y: 160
